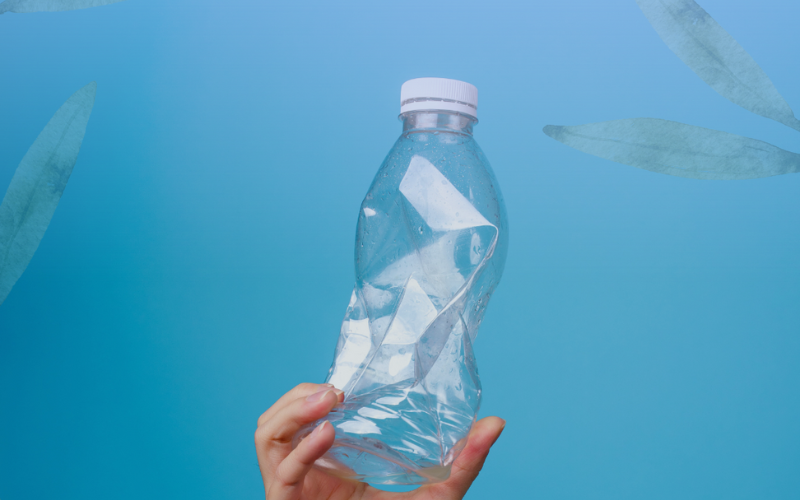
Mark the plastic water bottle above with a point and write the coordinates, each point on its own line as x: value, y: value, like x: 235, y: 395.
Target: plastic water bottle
x: 430, y: 249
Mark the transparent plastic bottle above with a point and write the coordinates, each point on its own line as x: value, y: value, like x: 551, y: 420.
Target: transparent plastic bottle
x: 430, y: 249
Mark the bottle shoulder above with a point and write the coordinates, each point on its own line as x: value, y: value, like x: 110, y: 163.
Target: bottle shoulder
x: 454, y: 155
x: 436, y: 203
x: 457, y: 157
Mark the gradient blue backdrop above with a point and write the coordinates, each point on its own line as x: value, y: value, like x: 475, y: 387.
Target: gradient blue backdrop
x: 644, y: 342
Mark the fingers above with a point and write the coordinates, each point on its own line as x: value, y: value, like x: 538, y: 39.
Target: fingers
x: 288, y: 480
x: 282, y: 426
x: 304, y: 404
x: 300, y: 391
x: 469, y: 462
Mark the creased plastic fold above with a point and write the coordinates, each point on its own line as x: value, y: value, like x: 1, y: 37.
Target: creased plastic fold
x: 425, y: 270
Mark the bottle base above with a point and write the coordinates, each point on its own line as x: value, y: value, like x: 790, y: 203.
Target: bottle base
x: 371, y: 461
x: 357, y: 464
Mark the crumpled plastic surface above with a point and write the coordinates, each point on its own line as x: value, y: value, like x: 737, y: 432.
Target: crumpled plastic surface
x: 430, y: 250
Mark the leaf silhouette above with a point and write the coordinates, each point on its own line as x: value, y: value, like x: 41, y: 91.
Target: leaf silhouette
x: 717, y: 58
x: 36, y: 187
x: 21, y: 6
x: 678, y: 149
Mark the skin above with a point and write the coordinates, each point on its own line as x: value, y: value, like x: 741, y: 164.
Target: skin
x: 288, y: 474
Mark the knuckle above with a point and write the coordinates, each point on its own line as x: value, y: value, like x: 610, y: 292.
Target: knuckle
x: 274, y: 433
x: 304, y: 388
x: 261, y: 436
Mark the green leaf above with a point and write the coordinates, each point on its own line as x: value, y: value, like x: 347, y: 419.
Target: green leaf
x: 37, y: 185
x: 716, y: 57
x: 678, y: 149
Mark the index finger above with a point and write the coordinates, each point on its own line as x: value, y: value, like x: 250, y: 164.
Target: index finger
x: 299, y: 391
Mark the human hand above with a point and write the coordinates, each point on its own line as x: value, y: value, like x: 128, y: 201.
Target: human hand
x: 288, y: 474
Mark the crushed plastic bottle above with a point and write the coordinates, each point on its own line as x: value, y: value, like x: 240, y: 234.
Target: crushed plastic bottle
x: 430, y: 250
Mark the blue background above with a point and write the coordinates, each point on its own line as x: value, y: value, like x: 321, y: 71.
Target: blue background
x: 644, y: 342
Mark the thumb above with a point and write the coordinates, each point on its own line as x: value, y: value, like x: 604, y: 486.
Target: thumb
x: 469, y: 462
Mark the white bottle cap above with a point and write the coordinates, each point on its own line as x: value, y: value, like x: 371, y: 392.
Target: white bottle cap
x: 441, y: 94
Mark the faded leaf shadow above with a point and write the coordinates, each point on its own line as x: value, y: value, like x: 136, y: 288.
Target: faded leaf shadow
x: 37, y: 185
x: 678, y: 149
x: 717, y: 58
x: 685, y: 150
x: 25, y: 6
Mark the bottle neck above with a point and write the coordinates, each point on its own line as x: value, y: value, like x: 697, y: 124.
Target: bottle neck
x: 437, y: 121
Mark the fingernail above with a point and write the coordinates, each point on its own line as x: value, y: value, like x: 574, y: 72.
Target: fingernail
x: 339, y: 394
x: 319, y: 428
x: 319, y: 395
